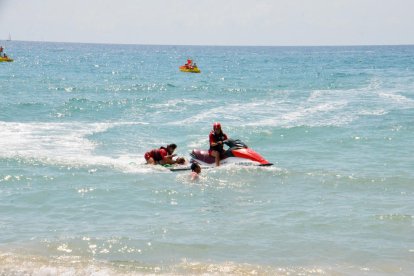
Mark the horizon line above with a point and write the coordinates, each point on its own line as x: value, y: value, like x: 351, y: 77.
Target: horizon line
x: 210, y: 45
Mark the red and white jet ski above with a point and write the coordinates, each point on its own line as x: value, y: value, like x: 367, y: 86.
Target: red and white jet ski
x: 238, y: 153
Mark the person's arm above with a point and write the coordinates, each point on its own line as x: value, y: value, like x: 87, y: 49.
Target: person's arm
x: 166, y: 158
x: 225, y: 137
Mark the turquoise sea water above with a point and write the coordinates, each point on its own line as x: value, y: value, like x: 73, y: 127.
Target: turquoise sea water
x: 77, y: 199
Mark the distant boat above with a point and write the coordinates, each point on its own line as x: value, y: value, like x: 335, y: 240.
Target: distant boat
x: 9, y: 38
x: 189, y: 67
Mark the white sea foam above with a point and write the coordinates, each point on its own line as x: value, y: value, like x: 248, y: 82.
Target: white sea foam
x: 374, y: 84
x: 12, y: 264
x: 205, y: 116
x: 310, y: 114
x: 397, y: 98
x: 63, y: 144
x: 179, y: 102
x: 233, y: 112
x: 332, y: 107
x: 340, y: 107
x: 321, y: 108
x: 378, y: 112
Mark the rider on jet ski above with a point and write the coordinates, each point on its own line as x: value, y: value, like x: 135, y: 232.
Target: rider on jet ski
x: 217, y: 138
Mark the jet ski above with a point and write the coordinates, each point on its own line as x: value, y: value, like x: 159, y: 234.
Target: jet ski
x: 5, y: 59
x: 238, y: 153
x: 188, y: 69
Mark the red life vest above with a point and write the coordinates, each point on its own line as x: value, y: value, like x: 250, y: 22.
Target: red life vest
x: 214, y: 138
x: 159, y: 154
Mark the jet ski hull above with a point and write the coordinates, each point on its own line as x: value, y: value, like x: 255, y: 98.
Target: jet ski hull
x: 239, y: 155
x: 189, y: 70
x: 3, y: 59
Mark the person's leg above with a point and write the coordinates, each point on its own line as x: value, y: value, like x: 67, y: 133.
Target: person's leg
x: 149, y: 159
x: 216, y: 156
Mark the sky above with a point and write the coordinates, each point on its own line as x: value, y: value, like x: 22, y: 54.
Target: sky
x: 210, y: 22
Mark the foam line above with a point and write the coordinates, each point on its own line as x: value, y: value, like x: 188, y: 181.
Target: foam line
x: 62, y: 144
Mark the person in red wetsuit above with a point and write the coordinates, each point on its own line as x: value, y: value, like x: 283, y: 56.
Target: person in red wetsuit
x: 189, y: 64
x: 217, y: 138
x: 163, y: 156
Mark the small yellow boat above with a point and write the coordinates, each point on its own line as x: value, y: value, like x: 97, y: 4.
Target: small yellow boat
x: 187, y: 69
x: 5, y: 59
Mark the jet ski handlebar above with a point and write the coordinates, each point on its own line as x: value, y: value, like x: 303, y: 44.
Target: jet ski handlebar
x: 235, y: 143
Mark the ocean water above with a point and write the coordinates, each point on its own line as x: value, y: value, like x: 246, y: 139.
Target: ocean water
x: 77, y: 199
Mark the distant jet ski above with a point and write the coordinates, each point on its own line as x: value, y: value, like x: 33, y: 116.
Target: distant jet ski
x: 189, y: 69
x: 6, y: 59
x: 238, y: 153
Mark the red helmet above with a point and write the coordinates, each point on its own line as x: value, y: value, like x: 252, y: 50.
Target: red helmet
x: 216, y: 125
